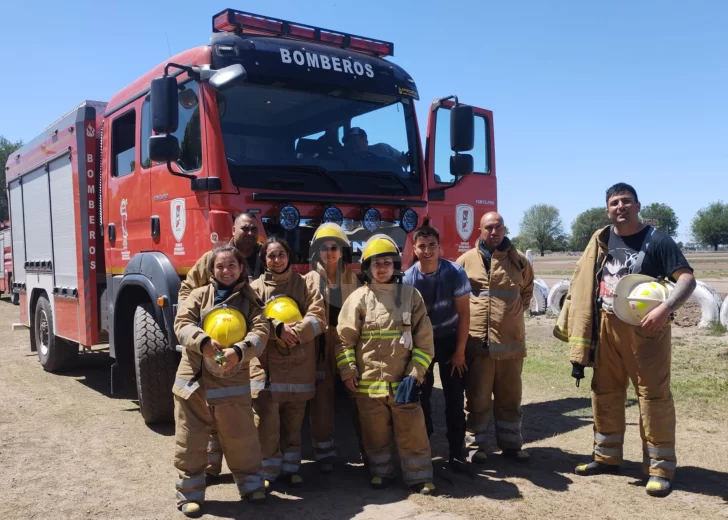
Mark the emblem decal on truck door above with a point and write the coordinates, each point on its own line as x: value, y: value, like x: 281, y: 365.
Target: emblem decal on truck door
x: 124, y: 231
x: 464, y: 220
x: 178, y: 218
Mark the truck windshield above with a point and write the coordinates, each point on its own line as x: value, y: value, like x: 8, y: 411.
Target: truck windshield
x: 283, y: 139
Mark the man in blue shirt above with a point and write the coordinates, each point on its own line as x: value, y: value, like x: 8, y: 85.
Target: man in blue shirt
x: 445, y: 288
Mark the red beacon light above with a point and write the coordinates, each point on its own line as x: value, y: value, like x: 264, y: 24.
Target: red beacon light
x: 241, y: 22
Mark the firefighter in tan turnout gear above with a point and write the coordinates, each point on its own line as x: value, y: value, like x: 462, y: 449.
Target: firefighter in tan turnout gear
x: 213, y: 382
x: 284, y: 377
x: 501, y: 279
x: 637, y: 349
x: 245, y: 239
x: 330, y: 256
x: 386, y: 348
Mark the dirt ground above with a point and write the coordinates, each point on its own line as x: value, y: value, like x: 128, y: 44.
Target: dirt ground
x: 70, y: 451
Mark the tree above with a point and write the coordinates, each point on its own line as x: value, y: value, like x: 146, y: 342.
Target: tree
x: 662, y: 217
x: 710, y: 225
x: 6, y: 149
x: 541, y: 226
x: 584, y: 226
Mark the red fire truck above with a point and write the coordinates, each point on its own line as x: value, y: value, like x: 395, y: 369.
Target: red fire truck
x: 113, y: 203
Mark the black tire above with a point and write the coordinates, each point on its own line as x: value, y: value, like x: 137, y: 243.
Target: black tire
x: 55, y: 354
x: 155, y: 365
x: 15, y: 298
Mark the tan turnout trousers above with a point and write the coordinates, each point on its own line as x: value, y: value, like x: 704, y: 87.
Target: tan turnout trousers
x: 493, y: 385
x: 279, y: 429
x: 378, y: 417
x: 237, y: 436
x: 628, y: 353
x: 322, y: 413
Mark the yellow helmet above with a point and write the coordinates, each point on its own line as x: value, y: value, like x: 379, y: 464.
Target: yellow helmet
x: 283, y: 308
x: 226, y: 326
x: 636, y: 295
x: 329, y: 231
x: 380, y: 245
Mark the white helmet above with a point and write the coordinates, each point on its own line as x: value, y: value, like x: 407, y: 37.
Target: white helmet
x: 636, y: 295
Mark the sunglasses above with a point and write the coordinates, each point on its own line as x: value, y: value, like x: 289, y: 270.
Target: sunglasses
x: 324, y: 248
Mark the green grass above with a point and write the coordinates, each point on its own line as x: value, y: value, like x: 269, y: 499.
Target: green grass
x: 699, y: 379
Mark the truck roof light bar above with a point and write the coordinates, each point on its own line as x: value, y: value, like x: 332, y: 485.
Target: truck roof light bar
x: 231, y: 20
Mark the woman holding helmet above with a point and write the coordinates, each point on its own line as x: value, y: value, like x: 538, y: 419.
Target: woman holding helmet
x: 330, y: 256
x: 385, y: 350
x: 222, y: 328
x: 283, y: 378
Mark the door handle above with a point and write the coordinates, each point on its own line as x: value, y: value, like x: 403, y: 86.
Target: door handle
x: 154, y: 220
x: 112, y: 233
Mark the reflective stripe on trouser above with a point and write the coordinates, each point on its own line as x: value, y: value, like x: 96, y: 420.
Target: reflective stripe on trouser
x: 194, y: 421
x: 493, y: 384
x: 279, y: 430
x: 380, y: 418
x: 323, y: 405
x: 627, y: 353
x: 214, y: 454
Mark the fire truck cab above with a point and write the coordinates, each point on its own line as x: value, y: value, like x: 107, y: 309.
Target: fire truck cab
x: 294, y: 123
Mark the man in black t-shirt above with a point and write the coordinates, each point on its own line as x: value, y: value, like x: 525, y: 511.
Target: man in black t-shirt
x: 640, y: 354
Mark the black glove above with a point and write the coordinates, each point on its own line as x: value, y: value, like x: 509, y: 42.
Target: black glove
x: 408, y: 391
x: 577, y: 372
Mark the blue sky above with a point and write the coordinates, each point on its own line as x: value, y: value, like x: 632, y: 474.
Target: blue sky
x: 584, y: 94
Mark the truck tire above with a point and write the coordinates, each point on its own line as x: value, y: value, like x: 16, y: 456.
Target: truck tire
x: 540, y: 296
x: 15, y: 298
x: 155, y: 366
x: 724, y: 312
x: 556, y: 296
x: 54, y: 353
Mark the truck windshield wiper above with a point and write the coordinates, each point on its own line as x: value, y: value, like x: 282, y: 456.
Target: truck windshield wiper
x: 295, y: 168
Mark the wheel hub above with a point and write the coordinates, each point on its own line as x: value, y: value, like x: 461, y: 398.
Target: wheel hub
x: 44, y: 338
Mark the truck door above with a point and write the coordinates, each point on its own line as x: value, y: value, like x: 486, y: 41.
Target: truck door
x: 457, y: 204
x: 182, y: 228
x: 126, y: 198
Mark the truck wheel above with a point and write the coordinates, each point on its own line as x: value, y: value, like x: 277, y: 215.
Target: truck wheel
x: 15, y: 298
x: 155, y: 366
x: 54, y: 353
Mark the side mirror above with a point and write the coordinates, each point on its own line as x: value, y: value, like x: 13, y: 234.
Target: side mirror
x: 228, y: 77
x: 164, y: 98
x: 462, y: 128
x: 163, y: 148
x: 461, y: 164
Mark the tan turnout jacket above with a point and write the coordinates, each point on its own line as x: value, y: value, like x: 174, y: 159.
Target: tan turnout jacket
x: 219, y: 386
x: 370, y: 328
x: 578, y: 323
x: 498, y: 299
x: 289, y: 373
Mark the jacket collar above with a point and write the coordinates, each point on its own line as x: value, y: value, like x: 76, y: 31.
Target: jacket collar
x: 276, y: 278
x: 504, y: 246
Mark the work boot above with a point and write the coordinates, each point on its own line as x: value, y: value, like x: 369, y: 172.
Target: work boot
x: 479, y: 457
x: 517, y: 455
x: 295, y: 480
x: 326, y: 466
x: 379, y: 482
x: 458, y: 464
x: 191, y: 509
x: 596, y: 468
x: 426, y: 488
x: 256, y: 497
x: 658, y: 486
